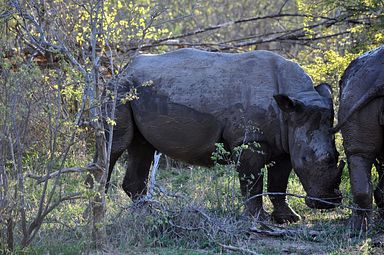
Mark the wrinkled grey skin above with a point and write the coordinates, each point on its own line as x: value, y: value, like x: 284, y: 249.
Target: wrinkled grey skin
x: 361, y: 119
x: 199, y: 98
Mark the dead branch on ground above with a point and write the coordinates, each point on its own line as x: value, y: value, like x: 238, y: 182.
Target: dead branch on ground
x: 240, y: 249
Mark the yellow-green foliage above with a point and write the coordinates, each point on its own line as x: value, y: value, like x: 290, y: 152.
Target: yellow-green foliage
x: 326, y: 60
x: 123, y: 20
x: 328, y: 66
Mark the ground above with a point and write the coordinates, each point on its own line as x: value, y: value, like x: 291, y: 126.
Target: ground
x: 196, y: 210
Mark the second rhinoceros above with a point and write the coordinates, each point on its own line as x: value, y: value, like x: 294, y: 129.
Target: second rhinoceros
x: 361, y: 119
x: 188, y: 100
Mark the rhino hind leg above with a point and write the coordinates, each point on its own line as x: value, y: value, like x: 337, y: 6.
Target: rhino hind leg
x: 140, y: 156
x: 252, y: 161
x: 122, y: 136
x: 115, y: 155
x: 278, y: 175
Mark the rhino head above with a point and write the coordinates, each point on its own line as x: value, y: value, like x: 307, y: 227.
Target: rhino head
x: 309, y: 119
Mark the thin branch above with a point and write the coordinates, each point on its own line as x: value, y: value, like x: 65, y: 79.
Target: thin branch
x: 239, y: 21
x: 20, y: 178
x: 36, y: 224
x: 89, y: 168
x: 282, y: 6
x: 297, y: 38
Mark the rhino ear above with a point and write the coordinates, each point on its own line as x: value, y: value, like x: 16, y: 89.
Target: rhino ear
x: 288, y: 104
x: 324, y: 89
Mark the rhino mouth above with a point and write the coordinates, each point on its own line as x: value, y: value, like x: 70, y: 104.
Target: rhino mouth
x: 324, y: 202
x: 327, y: 200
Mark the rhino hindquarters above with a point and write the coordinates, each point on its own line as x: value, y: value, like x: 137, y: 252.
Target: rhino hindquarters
x: 123, y: 133
x: 140, y: 156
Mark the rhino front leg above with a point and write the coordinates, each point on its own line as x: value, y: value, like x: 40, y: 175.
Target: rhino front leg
x: 251, y: 180
x: 361, y: 186
x: 140, y: 156
x: 278, y: 175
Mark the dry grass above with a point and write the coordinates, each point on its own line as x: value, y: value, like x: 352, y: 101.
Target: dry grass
x: 198, y: 211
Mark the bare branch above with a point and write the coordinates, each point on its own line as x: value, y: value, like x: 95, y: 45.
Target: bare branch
x: 282, y: 6
x: 38, y: 221
x: 277, y: 231
x: 20, y: 178
x: 325, y: 21
x: 89, y: 168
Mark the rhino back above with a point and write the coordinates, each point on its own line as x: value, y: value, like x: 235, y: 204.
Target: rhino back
x: 362, y: 74
x: 210, y: 82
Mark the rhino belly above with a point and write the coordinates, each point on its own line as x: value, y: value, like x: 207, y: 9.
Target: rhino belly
x: 177, y: 130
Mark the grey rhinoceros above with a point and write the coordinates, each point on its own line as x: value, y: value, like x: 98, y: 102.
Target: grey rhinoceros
x: 197, y: 99
x: 361, y: 119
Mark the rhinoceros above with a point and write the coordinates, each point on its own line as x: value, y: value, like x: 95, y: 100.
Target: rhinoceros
x: 189, y: 100
x: 361, y: 119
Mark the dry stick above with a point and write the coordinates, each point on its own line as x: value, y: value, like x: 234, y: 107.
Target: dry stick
x: 234, y: 248
x: 277, y: 231
x: 152, y: 181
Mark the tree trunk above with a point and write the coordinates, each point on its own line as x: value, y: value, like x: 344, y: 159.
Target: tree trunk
x: 10, y: 239
x: 98, y: 206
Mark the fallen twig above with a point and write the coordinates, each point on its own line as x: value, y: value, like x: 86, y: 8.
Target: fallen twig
x: 277, y: 231
x: 234, y: 248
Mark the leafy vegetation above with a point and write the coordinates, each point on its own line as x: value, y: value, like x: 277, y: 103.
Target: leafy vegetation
x: 56, y: 60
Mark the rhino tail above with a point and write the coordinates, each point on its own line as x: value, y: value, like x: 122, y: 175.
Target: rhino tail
x: 374, y: 92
